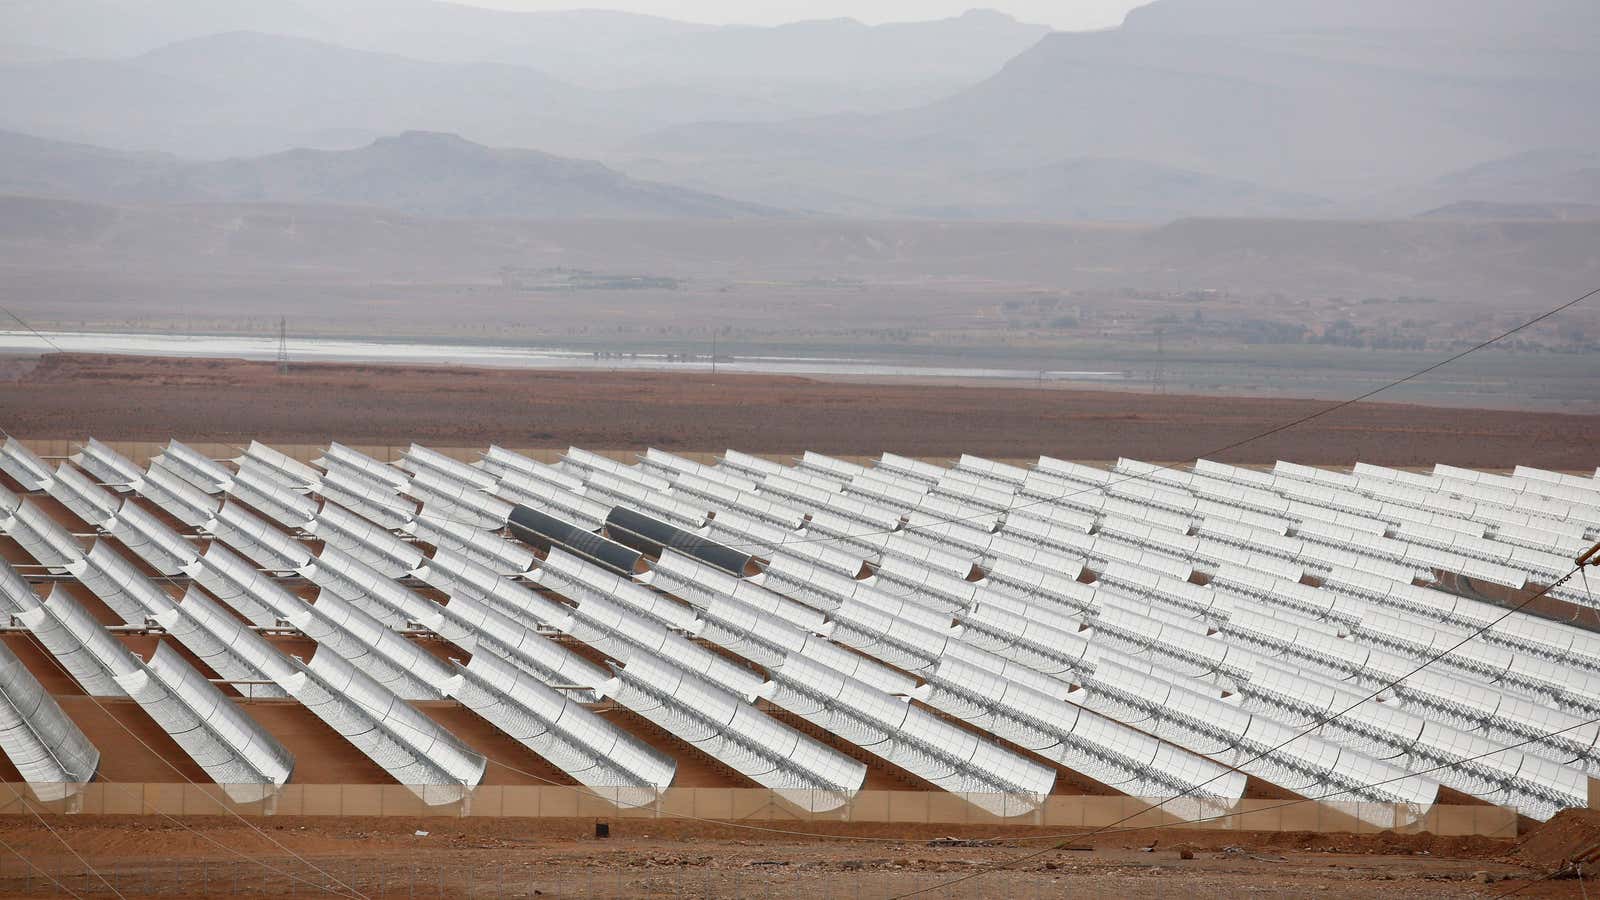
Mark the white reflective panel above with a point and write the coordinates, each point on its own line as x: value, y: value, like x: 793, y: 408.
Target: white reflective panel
x: 595, y: 463
x: 932, y: 588
x: 41, y: 536
x: 1084, y: 740
x: 1047, y: 524
x: 925, y: 472
x: 766, y: 751
x: 702, y: 584
x: 232, y: 748
x: 379, y: 472
x: 291, y: 470
x: 780, y: 511
x: 740, y: 629
x: 619, y: 627
x: 813, y: 584
x: 864, y: 669
x: 15, y: 594
x: 900, y: 643
x: 408, y: 745
x: 21, y: 464
x: 366, y: 540
x: 357, y: 581
x: 747, y: 533
x: 1026, y: 563
x: 885, y: 492
x: 752, y: 466
x: 935, y: 510
x: 1074, y: 471
x: 685, y: 510
x: 575, y: 570
x: 263, y: 489
x: 581, y: 743
x: 178, y: 498
x: 482, y: 547
x: 477, y: 627
x: 1468, y: 762
x: 378, y: 501
x: 195, y: 467
x: 47, y: 748
x: 88, y: 501
x: 908, y: 609
x: 862, y: 510
x: 993, y: 471
x: 844, y: 563
x: 890, y: 485
x: 226, y: 644
x: 806, y: 492
x: 466, y: 503
x: 79, y: 644
x: 500, y: 462
x: 242, y: 586
x: 551, y: 497
x: 257, y: 539
x: 418, y: 458
x: 457, y: 575
x: 120, y: 585
x: 110, y: 467
x: 1271, y: 750
x: 700, y: 472
x: 1059, y: 593
x: 975, y: 491
x: 830, y: 466
x: 1038, y: 638
x: 941, y: 548
x: 366, y: 643
x: 851, y: 536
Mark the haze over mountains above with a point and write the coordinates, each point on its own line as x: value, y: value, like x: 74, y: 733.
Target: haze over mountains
x: 1288, y: 108
x: 416, y: 172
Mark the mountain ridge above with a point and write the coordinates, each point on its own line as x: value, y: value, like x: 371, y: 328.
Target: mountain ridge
x: 417, y: 172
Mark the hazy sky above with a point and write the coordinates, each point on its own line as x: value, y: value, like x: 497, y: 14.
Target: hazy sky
x: 1063, y: 14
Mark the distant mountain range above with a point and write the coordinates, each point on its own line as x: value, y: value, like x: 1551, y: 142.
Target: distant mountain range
x: 244, y: 93
x: 1286, y: 108
x: 416, y: 172
x: 1353, y: 101
x: 803, y: 68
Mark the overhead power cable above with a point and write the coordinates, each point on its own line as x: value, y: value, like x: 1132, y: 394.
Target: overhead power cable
x: 1367, y: 698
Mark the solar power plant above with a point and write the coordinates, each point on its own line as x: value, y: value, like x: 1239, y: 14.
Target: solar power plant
x: 812, y: 626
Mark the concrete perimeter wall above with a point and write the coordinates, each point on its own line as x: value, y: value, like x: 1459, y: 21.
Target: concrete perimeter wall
x: 141, y: 451
x: 757, y: 805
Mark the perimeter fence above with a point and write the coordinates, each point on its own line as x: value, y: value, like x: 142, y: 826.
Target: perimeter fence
x: 141, y: 452
x: 764, y: 806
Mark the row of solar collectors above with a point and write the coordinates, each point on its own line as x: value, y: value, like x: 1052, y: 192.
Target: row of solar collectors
x: 815, y: 472
x: 1256, y: 623
x: 751, y: 742
x: 363, y: 670
x: 927, y: 745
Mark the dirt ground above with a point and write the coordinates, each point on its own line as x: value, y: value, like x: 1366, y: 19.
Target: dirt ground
x: 204, y: 857
x: 131, y: 398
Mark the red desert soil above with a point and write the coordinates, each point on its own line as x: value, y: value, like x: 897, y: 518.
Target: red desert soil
x: 134, y: 398
x: 429, y: 857
x: 1570, y: 836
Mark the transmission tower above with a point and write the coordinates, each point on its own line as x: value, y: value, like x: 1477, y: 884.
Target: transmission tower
x: 1158, y: 376
x: 283, y: 346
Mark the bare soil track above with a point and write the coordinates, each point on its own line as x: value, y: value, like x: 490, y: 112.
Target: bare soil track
x: 205, y: 857
x: 131, y: 398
